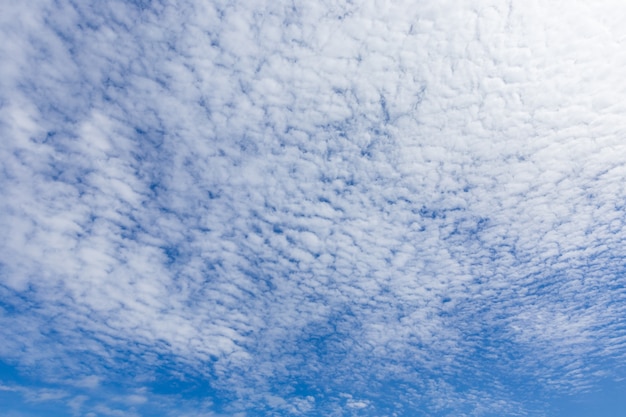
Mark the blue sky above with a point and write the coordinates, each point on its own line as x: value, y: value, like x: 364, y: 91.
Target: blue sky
x: 255, y: 208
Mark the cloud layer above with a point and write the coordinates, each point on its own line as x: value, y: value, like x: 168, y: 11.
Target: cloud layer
x: 323, y: 208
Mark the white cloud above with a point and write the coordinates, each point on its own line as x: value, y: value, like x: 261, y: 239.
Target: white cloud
x: 336, y: 194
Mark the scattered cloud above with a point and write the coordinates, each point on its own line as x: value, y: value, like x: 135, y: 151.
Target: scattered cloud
x: 250, y: 208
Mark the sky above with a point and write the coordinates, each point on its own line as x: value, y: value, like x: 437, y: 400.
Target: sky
x: 312, y: 208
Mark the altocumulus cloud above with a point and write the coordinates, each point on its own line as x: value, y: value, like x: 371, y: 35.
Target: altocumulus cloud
x: 316, y: 208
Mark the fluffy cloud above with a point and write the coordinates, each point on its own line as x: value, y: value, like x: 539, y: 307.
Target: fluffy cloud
x: 296, y: 201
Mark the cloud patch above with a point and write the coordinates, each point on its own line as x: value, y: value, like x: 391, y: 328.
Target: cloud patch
x: 313, y: 208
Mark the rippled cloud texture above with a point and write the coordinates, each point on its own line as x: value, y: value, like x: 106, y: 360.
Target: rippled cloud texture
x: 333, y: 208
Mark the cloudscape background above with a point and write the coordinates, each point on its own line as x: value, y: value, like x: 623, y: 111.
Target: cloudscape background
x: 322, y: 208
